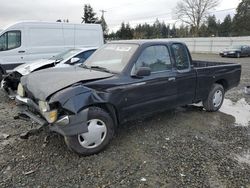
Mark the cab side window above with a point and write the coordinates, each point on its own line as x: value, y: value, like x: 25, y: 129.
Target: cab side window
x: 10, y: 40
x: 181, y: 57
x: 156, y: 58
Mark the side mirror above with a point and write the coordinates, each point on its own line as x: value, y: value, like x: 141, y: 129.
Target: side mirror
x: 74, y: 60
x: 143, y: 71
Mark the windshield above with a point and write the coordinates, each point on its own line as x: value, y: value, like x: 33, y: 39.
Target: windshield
x: 112, y: 57
x: 66, y: 54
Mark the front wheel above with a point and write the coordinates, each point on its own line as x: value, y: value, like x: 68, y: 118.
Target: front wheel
x: 100, y: 132
x: 215, y: 98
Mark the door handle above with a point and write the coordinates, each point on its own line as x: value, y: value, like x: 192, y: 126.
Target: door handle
x: 21, y: 51
x: 171, y: 79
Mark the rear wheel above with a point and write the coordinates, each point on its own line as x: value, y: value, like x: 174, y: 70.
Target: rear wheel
x: 100, y: 132
x: 215, y: 98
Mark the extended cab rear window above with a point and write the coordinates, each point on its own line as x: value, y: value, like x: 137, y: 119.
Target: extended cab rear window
x: 10, y: 40
x: 182, y: 61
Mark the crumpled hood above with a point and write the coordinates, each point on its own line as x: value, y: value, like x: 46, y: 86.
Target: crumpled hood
x: 46, y: 82
x: 27, y: 68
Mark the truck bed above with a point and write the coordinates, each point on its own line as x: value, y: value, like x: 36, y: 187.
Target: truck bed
x: 202, y: 64
x: 208, y: 73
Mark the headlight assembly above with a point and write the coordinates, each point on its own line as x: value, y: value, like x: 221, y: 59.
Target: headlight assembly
x: 43, y: 106
x: 20, y: 90
x: 50, y: 115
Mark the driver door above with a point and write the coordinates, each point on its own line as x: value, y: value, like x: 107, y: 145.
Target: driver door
x: 151, y: 93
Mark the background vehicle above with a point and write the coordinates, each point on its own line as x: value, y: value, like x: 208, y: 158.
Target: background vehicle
x: 121, y: 81
x: 236, y: 51
x: 24, y: 42
x: 71, y: 57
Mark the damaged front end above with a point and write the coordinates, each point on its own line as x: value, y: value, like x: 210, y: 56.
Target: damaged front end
x: 60, y: 98
x: 65, y: 112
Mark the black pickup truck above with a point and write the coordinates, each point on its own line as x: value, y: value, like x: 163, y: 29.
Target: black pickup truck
x: 121, y: 81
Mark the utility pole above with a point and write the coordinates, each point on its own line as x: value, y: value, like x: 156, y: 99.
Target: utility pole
x: 103, y: 11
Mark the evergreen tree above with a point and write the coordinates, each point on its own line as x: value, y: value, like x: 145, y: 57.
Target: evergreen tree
x: 242, y: 19
x: 212, y: 26
x: 112, y: 36
x: 128, y: 32
x: 164, y: 30
x: 173, y: 32
x: 89, y: 15
x: 203, y: 32
x: 225, y: 29
x: 139, y: 32
x: 121, y: 33
x: 182, y: 31
x: 157, y: 29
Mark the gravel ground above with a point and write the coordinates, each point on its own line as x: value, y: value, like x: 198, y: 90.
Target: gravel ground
x: 184, y: 147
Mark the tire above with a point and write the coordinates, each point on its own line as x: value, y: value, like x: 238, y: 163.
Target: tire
x: 238, y: 55
x: 215, y: 98
x: 96, y: 117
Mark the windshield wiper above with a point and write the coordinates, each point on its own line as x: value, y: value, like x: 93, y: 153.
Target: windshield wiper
x: 100, y: 68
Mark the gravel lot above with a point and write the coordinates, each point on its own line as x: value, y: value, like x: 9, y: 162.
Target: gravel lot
x: 184, y: 147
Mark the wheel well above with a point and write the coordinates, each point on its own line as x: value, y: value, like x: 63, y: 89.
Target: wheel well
x: 111, y: 110
x: 223, y: 82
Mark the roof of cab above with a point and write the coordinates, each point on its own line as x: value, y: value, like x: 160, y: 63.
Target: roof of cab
x: 145, y: 41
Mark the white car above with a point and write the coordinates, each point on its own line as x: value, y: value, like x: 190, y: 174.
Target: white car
x: 71, y: 57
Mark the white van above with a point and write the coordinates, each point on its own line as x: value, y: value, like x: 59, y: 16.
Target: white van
x: 24, y: 42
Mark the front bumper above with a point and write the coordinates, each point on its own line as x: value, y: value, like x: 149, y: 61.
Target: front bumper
x: 68, y: 125
x: 227, y: 54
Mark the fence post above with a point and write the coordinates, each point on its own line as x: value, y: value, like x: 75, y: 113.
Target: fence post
x: 211, y: 45
x: 194, y: 45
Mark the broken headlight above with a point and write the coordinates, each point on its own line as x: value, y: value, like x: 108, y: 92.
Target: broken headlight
x: 43, y: 106
x: 50, y: 115
x: 20, y: 90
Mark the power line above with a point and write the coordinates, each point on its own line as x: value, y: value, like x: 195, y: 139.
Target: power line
x: 158, y: 16
x: 223, y: 10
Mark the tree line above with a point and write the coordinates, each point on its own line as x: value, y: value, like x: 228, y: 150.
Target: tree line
x: 200, y: 24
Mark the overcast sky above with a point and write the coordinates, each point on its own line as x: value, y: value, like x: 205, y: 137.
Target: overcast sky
x: 132, y: 11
